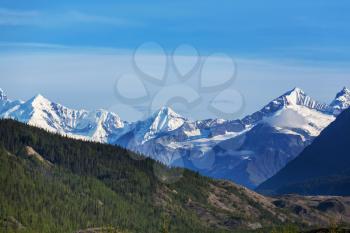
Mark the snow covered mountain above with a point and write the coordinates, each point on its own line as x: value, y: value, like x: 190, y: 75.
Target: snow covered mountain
x: 277, y: 134
x: 291, y: 99
x: 292, y: 111
x: 161, y: 122
x: 100, y: 125
x: 247, y: 151
x: 341, y: 101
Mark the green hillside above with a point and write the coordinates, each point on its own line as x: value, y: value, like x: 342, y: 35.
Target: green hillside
x: 50, y: 183
x: 88, y: 185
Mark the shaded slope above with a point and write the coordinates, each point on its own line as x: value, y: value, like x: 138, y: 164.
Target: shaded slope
x: 322, y: 168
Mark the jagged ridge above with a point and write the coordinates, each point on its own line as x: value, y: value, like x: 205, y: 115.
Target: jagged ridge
x: 175, y: 140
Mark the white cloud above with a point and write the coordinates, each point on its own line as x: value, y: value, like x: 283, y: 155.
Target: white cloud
x: 19, y: 45
x: 17, y: 17
x: 79, y: 16
x: 14, y: 17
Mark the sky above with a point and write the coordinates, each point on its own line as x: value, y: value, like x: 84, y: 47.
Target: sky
x: 73, y: 52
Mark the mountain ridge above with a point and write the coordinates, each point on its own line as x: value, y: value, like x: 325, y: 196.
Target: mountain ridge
x: 296, y: 96
x: 174, y: 140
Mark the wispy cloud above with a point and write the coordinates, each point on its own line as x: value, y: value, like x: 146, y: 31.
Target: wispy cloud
x: 21, y: 45
x: 83, y: 17
x: 17, y: 17
x: 14, y: 17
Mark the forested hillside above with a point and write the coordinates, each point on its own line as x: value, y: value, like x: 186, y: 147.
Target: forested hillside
x: 54, y: 184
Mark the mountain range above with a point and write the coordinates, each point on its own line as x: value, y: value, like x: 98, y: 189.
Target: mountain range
x: 248, y: 150
x: 321, y: 169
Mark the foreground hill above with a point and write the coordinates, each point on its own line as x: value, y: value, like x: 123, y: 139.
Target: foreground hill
x: 322, y: 168
x: 54, y: 184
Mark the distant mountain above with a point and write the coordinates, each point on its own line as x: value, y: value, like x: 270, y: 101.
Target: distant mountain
x: 98, y: 125
x: 247, y: 151
x: 321, y: 169
x: 341, y: 101
x: 274, y: 136
x: 295, y: 99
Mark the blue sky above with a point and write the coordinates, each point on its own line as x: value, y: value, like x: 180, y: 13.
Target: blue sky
x: 266, y: 28
x: 278, y: 44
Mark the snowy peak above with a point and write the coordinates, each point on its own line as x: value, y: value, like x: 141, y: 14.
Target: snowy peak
x: 39, y: 97
x: 166, y: 119
x: 295, y: 99
x: 99, y: 125
x: 294, y: 96
x: 167, y: 112
x: 38, y: 111
x: 163, y: 121
x: 341, y: 101
x: 38, y: 100
x: 344, y: 92
x: 2, y: 95
x: 295, y: 90
x: 298, y: 97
